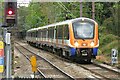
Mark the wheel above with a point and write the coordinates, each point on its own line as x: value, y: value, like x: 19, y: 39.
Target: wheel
x: 53, y: 50
x: 88, y: 60
x: 63, y: 52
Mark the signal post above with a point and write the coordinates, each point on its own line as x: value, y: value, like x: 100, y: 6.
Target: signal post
x: 10, y: 21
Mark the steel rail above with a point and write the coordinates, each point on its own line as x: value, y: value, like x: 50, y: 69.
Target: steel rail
x: 99, y: 74
x: 29, y: 61
x: 72, y: 78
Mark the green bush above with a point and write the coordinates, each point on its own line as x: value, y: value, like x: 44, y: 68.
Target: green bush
x: 106, y: 39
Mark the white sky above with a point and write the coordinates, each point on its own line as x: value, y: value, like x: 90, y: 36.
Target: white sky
x: 23, y: 2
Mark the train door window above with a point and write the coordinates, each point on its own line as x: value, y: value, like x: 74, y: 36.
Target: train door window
x: 66, y: 32
x: 60, y: 31
x: 34, y: 33
x: 43, y: 33
x: 56, y: 35
x: 46, y: 33
x: 39, y: 33
x: 28, y: 34
x: 31, y: 34
x: 52, y: 32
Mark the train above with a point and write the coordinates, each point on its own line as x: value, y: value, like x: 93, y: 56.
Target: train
x: 75, y: 38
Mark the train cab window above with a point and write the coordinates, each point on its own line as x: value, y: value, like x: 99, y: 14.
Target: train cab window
x: 83, y: 30
x: 66, y: 32
x: 60, y: 31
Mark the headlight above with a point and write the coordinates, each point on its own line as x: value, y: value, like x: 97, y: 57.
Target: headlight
x: 76, y: 44
x: 84, y: 44
x: 92, y: 43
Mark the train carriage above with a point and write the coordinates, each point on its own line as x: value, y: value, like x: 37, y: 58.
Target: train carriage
x: 76, y: 38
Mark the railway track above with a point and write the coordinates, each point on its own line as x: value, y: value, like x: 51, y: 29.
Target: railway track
x: 97, y: 69
x: 101, y: 71
x: 45, y: 68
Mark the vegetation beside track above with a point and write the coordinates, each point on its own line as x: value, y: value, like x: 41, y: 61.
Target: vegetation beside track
x: 107, y: 43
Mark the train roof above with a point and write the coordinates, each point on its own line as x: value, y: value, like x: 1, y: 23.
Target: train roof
x: 62, y: 23
x: 33, y: 29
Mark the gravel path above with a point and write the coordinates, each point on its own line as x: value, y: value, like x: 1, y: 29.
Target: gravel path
x: 22, y: 67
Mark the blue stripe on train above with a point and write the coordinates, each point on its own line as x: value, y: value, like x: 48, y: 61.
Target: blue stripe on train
x: 95, y: 50
x: 72, y: 51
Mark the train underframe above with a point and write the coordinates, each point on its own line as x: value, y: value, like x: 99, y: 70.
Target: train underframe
x: 76, y: 54
x: 84, y: 54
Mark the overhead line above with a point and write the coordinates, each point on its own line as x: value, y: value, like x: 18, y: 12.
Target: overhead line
x: 63, y: 6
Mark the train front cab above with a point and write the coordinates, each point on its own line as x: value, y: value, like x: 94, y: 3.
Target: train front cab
x: 84, y: 39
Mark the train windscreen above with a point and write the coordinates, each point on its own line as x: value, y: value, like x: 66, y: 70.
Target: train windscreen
x: 83, y: 30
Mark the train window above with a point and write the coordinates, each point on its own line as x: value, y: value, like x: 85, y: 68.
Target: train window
x: 51, y: 32
x: 60, y: 31
x: 44, y: 31
x: 66, y: 32
x: 39, y: 32
x: 36, y: 33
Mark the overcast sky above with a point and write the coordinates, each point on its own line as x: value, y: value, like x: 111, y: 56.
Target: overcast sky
x: 22, y: 2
